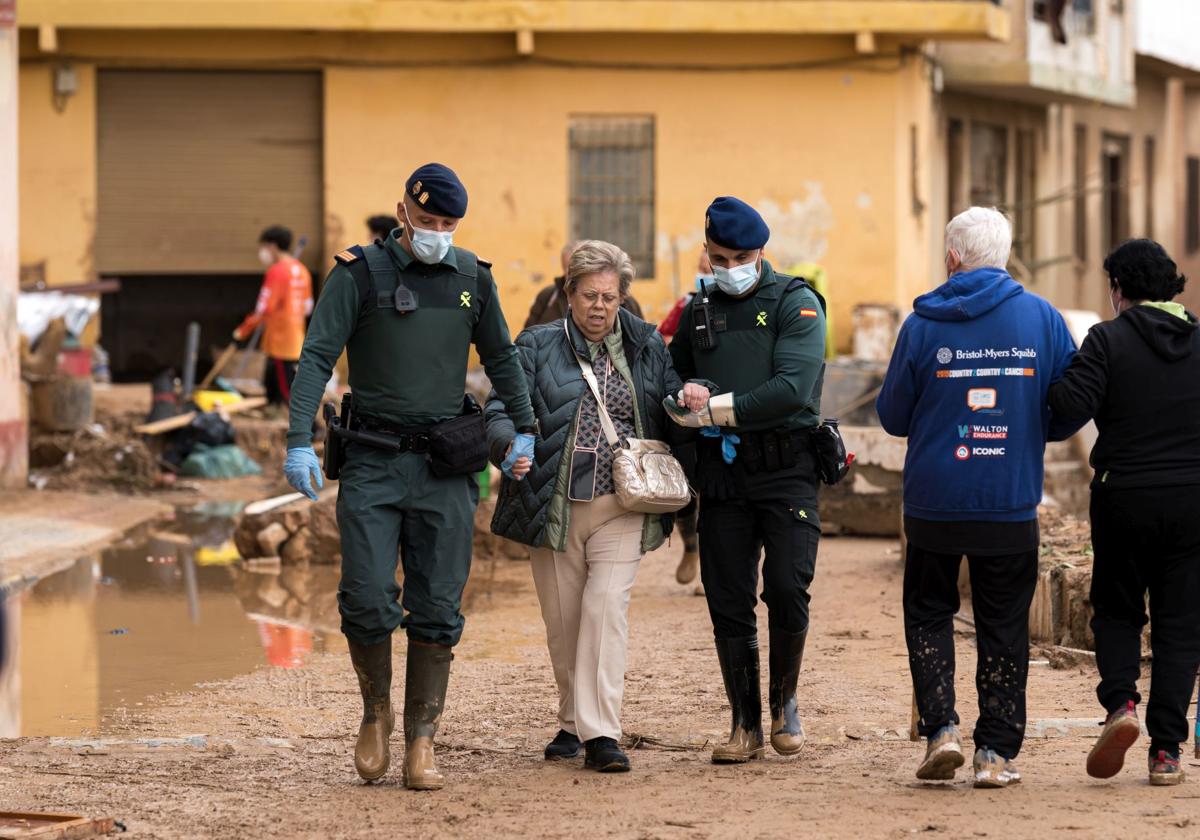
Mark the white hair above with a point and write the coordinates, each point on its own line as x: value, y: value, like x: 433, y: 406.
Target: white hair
x: 982, y: 237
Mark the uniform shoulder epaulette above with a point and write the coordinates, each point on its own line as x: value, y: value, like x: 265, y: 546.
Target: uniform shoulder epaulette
x: 483, y: 262
x: 349, y: 255
x: 796, y: 283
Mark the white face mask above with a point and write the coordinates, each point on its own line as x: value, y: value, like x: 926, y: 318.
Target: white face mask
x: 264, y: 256
x: 430, y: 246
x: 738, y: 280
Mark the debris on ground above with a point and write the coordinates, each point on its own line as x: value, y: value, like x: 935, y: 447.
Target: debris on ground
x: 100, y: 454
x: 300, y: 531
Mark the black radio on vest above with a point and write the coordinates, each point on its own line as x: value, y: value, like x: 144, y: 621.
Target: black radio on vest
x: 702, y: 320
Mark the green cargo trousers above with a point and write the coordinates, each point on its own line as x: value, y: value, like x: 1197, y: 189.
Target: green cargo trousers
x: 392, y: 503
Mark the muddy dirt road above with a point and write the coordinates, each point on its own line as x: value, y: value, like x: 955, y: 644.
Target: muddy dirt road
x: 271, y: 756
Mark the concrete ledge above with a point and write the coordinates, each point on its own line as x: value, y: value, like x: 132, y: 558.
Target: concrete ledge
x: 966, y: 19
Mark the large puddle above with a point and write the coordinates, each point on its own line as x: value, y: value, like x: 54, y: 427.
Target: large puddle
x: 169, y: 606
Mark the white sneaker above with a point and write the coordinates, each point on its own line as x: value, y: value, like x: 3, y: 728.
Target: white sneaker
x: 992, y: 771
x: 943, y: 755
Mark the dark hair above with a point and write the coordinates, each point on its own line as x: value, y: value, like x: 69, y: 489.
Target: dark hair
x: 1142, y: 270
x: 381, y: 225
x: 277, y: 235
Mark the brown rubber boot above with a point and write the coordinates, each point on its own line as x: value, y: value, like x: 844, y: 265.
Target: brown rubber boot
x: 689, y: 564
x: 425, y: 683
x: 786, y: 654
x: 373, y: 665
x: 739, y: 668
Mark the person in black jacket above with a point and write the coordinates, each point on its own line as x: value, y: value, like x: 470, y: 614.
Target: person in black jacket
x: 585, y: 546
x: 1138, y: 375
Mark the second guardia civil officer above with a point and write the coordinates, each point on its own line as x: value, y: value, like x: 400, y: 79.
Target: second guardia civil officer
x: 406, y: 310
x: 757, y: 341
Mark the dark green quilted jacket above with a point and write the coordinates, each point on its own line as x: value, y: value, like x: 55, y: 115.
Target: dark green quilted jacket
x: 536, y: 511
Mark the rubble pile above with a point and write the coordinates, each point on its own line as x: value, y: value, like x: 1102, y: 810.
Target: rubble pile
x: 305, y: 532
x: 1062, y: 609
x: 105, y: 454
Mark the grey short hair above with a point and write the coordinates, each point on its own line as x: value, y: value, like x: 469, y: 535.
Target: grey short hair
x: 982, y: 236
x: 591, y: 256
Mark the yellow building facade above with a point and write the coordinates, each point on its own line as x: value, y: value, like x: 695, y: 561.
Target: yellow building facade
x: 564, y: 118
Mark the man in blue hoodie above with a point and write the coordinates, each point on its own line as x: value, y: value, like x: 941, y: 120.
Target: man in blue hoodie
x: 967, y: 385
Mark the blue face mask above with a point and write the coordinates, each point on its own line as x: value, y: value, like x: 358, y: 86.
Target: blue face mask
x: 738, y: 280
x: 430, y: 246
x: 703, y: 280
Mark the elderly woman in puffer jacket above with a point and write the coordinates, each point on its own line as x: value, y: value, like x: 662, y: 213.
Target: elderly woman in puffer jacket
x: 585, y: 546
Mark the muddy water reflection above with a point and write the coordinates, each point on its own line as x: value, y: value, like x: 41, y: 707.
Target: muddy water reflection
x: 168, y: 607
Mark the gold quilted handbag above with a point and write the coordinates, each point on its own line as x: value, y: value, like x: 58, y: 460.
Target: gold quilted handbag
x: 647, y: 477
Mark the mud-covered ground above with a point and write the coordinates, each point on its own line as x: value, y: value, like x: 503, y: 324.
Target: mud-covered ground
x: 274, y: 756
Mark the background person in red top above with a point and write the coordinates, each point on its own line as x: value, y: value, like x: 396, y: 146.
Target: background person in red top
x: 284, y: 303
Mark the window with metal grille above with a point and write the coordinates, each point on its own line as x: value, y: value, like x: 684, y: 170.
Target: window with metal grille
x: 612, y: 184
x: 1193, y: 205
x: 1024, y: 215
x: 1148, y: 163
x: 1080, y: 190
x: 1114, y: 173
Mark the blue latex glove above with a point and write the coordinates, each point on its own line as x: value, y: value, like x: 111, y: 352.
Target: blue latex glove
x: 299, y: 468
x: 522, y: 446
x: 729, y: 442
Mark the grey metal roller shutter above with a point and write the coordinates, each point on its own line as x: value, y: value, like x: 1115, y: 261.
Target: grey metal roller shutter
x: 194, y: 164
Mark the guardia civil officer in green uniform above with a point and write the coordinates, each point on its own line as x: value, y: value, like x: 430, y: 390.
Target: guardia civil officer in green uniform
x: 406, y: 310
x: 757, y: 341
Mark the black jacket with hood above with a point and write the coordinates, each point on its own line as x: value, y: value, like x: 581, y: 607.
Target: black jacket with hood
x: 1138, y: 375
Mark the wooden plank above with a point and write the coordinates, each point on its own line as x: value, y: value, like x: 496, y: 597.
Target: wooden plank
x: 17, y: 825
x: 218, y: 366
x: 170, y: 424
x: 265, y: 505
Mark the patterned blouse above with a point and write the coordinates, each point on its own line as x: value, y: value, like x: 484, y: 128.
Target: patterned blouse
x: 618, y: 399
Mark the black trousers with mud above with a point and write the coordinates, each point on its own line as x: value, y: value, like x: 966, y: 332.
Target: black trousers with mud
x: 1001, y: 591
x: 1147, y: 541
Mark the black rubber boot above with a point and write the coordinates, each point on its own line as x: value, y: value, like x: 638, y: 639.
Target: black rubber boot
x: 426, y: 678
x: 786, y: 654
x: 373, y: 666
x: 739, y: 668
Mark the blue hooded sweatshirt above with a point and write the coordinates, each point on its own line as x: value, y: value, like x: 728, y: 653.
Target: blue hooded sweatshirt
x: 967, y: 385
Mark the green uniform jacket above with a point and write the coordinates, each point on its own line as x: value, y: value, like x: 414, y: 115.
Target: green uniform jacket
x: 408, y: 369
x: 770, y: 353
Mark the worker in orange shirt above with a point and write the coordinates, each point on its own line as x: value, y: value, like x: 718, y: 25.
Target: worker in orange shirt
x: 284, y: 303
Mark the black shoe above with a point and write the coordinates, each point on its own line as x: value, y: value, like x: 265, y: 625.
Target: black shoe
x: 604, y: 755
x: 564, y: 745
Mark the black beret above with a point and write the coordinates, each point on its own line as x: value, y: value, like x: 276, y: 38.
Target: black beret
x: 436, y: 188
x: 732, y: 223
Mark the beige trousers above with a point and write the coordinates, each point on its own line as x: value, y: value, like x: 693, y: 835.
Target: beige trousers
x: 584, y: 594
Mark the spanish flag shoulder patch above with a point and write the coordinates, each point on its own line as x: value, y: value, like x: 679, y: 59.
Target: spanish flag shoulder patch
x: 808, y: 313
x: 345, y: 257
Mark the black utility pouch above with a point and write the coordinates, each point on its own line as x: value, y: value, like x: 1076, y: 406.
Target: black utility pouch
x: 335, y: 446
x: 459, y: 446
x: 750, y: 453
x: 829, y: 451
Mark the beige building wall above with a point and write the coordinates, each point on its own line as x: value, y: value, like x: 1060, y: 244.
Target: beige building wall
x: 13, y: 450
x: 58, y: 175
x: 830, y: 188
x: 827, y: 154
